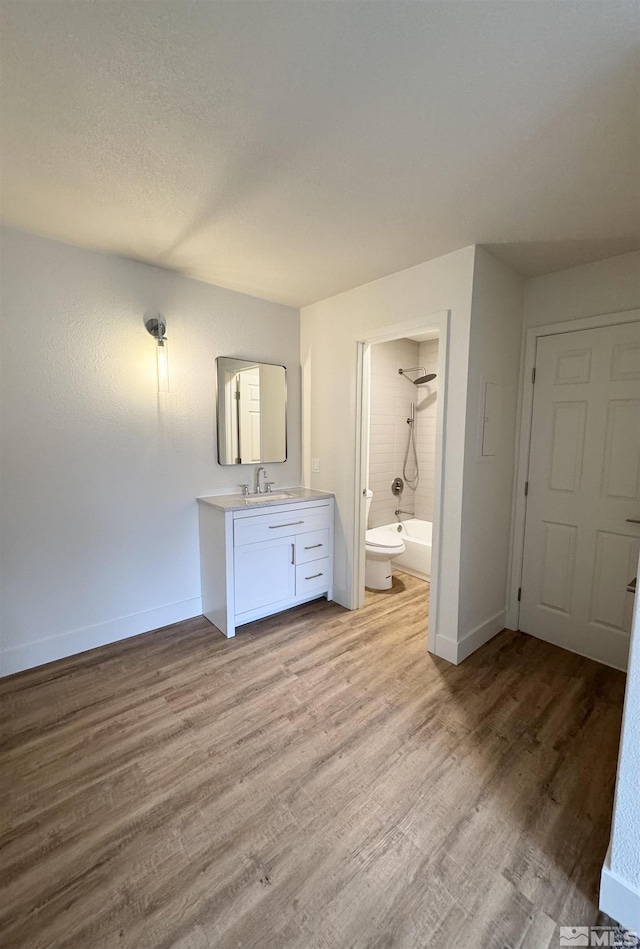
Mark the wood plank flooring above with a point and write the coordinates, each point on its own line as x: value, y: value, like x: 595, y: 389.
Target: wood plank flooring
x: 319, y: 781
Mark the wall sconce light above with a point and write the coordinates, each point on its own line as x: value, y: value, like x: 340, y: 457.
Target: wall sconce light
x: 157, y: 328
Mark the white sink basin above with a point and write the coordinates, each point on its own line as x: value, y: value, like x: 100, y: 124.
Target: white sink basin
x: 261, y: 498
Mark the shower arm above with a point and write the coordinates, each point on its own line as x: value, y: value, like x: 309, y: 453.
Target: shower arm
x: 421, y: 379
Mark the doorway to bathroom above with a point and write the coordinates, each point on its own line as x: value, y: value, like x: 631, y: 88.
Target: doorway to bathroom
x: 402, y: 393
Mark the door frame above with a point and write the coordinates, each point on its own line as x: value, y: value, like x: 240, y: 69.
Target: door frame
x: 523, y: 438
x: 384, y: 334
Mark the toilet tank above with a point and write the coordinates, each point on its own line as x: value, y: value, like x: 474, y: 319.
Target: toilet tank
x: 369, y: 496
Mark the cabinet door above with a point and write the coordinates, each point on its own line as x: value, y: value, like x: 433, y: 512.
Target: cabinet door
x: 264, y: 573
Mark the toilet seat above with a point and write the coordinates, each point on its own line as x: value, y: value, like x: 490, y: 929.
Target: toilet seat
x: 381, y: 541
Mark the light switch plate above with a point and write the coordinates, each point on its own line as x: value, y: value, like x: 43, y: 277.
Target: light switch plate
x: 315, y: 464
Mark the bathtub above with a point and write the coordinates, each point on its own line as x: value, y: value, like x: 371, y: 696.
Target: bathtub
x: 416, y: 560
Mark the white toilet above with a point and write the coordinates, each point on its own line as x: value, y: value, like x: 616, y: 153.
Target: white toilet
x: 381, y: 544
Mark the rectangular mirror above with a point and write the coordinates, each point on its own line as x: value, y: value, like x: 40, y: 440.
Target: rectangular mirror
x: 252, y: 412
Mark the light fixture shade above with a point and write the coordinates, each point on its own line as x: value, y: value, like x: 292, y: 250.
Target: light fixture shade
x: 156, y: 326
x: 163, y: 366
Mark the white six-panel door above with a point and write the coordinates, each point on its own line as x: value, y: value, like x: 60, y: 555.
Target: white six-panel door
x: 581, y: 547
x: 250, y: 453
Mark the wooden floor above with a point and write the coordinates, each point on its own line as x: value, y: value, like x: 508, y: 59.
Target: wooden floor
x: 320, y: 781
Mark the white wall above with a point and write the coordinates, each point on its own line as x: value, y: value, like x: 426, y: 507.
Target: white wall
x: 496, y: 329
x: 625, y: 842
x: 99, y: 473
x: 620, y: 881
x: 607, y: 286
x: 329, y: 332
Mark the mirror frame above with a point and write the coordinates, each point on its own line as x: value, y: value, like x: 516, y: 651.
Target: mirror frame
x: 220, y: 417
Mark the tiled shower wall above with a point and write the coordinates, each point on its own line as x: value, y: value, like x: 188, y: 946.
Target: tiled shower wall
x: 391, y: 397
x: 426, y: 431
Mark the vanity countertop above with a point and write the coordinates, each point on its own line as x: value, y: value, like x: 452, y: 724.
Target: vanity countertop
x: 236, y: 502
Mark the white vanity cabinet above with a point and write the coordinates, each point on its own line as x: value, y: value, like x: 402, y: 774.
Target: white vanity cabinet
x: 260, y: 559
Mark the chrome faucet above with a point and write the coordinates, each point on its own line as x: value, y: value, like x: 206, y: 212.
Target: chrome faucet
x: 258, y: 489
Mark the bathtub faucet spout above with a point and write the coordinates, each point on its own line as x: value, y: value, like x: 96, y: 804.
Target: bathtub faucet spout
x: 400, y: 511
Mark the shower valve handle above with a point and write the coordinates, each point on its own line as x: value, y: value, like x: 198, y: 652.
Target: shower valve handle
x: 397, y: 486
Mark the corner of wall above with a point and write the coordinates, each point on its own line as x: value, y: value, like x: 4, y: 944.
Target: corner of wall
x: 330, y: 331
x: 494, y: 357
x: 91, y: 454
x: 604, y: 286
x: 618, y: 898
x: 620, y: 882
x: 29, y: 654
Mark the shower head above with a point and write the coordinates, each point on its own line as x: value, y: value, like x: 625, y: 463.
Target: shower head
x: 421, y: 379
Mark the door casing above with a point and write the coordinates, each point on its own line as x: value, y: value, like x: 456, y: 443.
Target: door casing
x: 383, y: 334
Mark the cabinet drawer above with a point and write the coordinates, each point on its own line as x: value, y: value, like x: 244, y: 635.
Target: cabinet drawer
x: 313, y: 576
x: 250, y: 530
x: 313, y: 545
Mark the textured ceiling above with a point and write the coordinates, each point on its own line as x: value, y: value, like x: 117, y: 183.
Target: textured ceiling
x: 296, y: 149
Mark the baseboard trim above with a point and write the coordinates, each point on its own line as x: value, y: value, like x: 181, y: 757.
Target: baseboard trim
x: 619, y: 899
x: 29, y: 655
x: 446, y: 649
x: 457, y: 652
x: 480, y: 635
